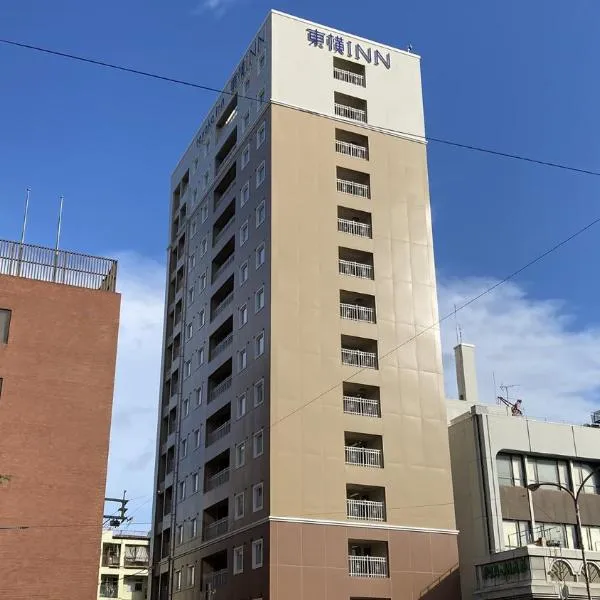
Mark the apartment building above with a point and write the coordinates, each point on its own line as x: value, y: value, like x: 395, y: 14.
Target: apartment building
x: 518, y: 540
x: 299, y: 455
x: 59, y: 317
x: 124, y: 565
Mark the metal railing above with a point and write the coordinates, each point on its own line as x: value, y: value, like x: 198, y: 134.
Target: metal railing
x: 353, y: 188
x: 215, y: 579
x: 219, y: 389
x: 219, y: 433
x: 359, y: 358
x: 354, y: 227
x: 109, y: 589
x: 367, y: 566
x: 220, y: 270
x: 226, y: 158
x: 363, y: 407
x: 348, y: 76
x: 222, y: 345
x: 57, y: 266
x: 350, y: 149
x: 349, y: 112
x: 216, y: 529
x: 224, y: 194
x: 356, y: 312
x: 224, y: 231
x: 111, y: 560
x: 214, y: 481
x: 363, y: 457
x: 222, y: 305
x: 365, y: 510
x: 355, y: 269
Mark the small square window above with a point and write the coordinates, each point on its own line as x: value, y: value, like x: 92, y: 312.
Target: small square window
x: 257, y: 554
x: 262, y: 59
x: 198, y: 394
x: 203, y: 281
x: 260, y: 173
x: 244, y: 272
x: 238, y: 560
x: 259, y: 344
x: 246, y: 87
x: 197, y: 438
x: 260, y: 100
x: 184, y: 444
x: 238, y: 506
x: 261, y: 135
x: 185, y: 409
x: 257, y: 497
x: 240, y: 455
x: 205, y: 181
x: 193, y: 228
x: 206, y: 148
x: 195, y: 167
x: 261, y: 213
x: 202, y: 317
x: 191, y: 575
x: 258, y: 442
x: 194, y: 196
x: 245, y: 195
x: 201, y: 356
x: 240, y: 406
x: 191, y: 295
x: 196, y: 482
x: 246, y: 120
x: 189, y: 331
x: 204, y: 211
x: 259, y: 299
x: 194, y: 530
x: 261, y: 254
x: 243, y: 314
x: 242, y: 360
x: 187, y: 368
x: 177, y: 575
x: 259, y: 392
x: 203, y: 247
x: 246, y: 156
x: 191, y: 263
x: 182, y: 490
x: 244, y: 231
x: 180, y: 534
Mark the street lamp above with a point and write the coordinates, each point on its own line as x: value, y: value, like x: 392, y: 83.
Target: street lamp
x: 575, y: 497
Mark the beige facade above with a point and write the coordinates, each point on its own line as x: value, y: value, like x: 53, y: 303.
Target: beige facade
x: 301, y: 456
x: 123, y: 565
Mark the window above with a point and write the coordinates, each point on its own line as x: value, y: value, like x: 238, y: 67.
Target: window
x: 202, y: 317
x: 259, y: 392
x: 203, y: 281
x: 556, y: 534
x: 184, y: 445
x: 591, y: 538
x: 198, y: 394
x: 262, y: 59
x: 205, y: 181
x: 194, y: 529
x: 191, y: 575
x: 540, y: 470
x: 180, y: 534
x: 177, y: 581
x: 238, y: 560
x: 259, y: 344
x: 260, y: 256
x: 516, y: 533
x: 242, y: 360
x: 191, y: 294
x: 258, y: 444
x: 245, y: 155
x: 257, y: 497
x: 245, y: 195
x: 194, y: 196
x: 244, y: 271
x: 204, y: 210
x: 259, y: 299
x: 206, y: 148
x: 203, y: 246
x: 244, y: 233
x: 260, y: 100
x: 195, y: 167
x: 257, y: 554
x: 201, y: 356
x: 260, y: 214
x: 182, y: 490
x: 240, y: 406
x: 240, y: 455
x: 260, y: 173
x: 243, y: 314
x: 510, y: 469
x: 246, y: 118
x: 580, y: 472
x: 261, y: 134
x: 191, y: 263
x: 187, y: 368
x: 186, y: 407
x: 246, y: 88
x: 189, y: 331
x: 195, y: 483
x: 238, y: 506
x: 193, y: 228
x: 197, y: 437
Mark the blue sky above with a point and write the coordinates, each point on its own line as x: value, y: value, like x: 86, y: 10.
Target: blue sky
x: 514, y: 76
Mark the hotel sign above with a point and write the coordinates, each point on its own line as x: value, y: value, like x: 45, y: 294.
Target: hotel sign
x: 506, y: 569
x: 335, y: 43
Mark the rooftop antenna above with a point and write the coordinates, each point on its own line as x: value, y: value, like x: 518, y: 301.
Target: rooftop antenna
x: 60, y: 212
x: 515, y: 407
x: 458, y: 328
x: 23, y: 229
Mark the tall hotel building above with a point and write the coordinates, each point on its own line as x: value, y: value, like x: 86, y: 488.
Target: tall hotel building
x: 300, y: 456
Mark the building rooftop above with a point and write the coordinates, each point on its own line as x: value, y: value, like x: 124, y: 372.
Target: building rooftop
x: 57, y: 266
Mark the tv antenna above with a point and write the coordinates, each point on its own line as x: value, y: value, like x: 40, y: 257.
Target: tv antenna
x: 516, y: 406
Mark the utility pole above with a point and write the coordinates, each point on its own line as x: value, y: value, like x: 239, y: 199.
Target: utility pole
x: 115, y: 520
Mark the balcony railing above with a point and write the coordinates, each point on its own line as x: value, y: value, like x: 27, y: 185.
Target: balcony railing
x: 219, y: 389
x: 111, y: 560
x: 356, y: 312
x: 350, y: 149
x: 355, y: 269
x: 367, y: 566
x: 363, y: 457
x: 214, y: 580
x: 224, y: 195
x: 222, y: 305
x: 353, y: 188
x: 218, y: 479
x: 224, y: 231
x: 354, y: 227
x: 349, y: 112
x: 223, y: 267
x: 109, y: 589
x: 363, y: 407
x: 216, y: 529
x: 226, y: 158
x: 218, y: 433
x: 359, y: 358
x: 348, y: 76
x: 365, y: 510
x: 222, y: 345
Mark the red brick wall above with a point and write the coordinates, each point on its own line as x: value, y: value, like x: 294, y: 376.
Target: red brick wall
x: 55, y: 410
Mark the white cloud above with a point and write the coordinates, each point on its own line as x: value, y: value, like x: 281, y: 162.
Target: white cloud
x: 217, y: 7
x: 133, y: 433
x: 525, y: 341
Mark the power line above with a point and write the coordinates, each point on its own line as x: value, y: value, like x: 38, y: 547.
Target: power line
x: 208, y: 88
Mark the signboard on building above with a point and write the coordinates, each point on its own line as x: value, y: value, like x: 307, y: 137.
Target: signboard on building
x: 505, y: 569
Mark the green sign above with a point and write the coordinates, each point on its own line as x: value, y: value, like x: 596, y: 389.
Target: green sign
x: 506, y: 568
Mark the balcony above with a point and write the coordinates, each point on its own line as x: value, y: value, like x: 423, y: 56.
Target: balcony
x: 109, y: 586
x: 214, y: 580
x: 362, y: 407
x: 216, y: 480
x: 224, y: 187
x: 365, y: 503
x: 224, y: 231
x: 222, y: 299
x: 355, y: 263
x: 354, y: 222
x: 353, y: 188
x: 363, y: 450
x: 349, y: 112
x: 222, y: 305
x: 216, y: 529
x: 224, y: 259
x: 218, y: 425
x: 367, y: 566
x: 219, y: 389
x: 111, y: 556
x: 349, y: 72
x: 226, y: 151
x: 357, y: 312
x: 222, y: 346
x: 359, y: 358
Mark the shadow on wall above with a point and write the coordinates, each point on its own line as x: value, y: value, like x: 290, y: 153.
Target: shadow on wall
x: 445, y: 587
